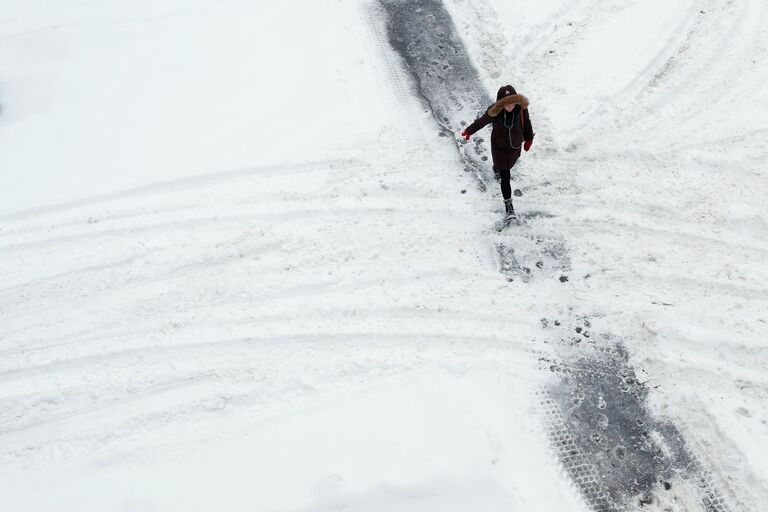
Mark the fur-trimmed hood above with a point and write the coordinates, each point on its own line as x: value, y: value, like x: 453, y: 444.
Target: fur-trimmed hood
x: 509, y: 132
x: 511, y: 99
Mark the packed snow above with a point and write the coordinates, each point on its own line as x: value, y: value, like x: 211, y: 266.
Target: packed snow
x: 242, y: 269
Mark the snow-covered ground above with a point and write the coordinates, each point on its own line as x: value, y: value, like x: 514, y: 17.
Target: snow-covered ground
x: 241, y: 271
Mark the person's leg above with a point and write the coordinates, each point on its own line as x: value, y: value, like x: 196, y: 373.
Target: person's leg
x: 513, y: 159
x: 506, y: 192
x: 506, y: 189
x: 501, y: 166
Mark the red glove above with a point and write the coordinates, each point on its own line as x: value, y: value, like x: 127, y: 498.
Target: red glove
x: 528, y: 144
x: 465, y: 135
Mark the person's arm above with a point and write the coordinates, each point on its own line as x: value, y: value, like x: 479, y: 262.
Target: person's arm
x: 527, y: 129
x: 479, y: 123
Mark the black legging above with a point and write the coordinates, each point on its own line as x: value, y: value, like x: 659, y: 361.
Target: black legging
x: 506, y: 188
x: 503, y: 161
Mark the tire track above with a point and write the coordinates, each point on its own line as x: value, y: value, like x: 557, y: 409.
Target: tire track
x: 596, y: 411
x: 75, y: 410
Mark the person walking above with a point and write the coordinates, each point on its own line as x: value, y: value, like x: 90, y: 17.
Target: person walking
x: 511, y: 131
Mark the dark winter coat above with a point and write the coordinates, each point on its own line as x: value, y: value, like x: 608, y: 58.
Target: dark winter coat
x: 510, y: 129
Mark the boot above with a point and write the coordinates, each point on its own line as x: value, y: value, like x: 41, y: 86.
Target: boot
x: 509, y: 208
